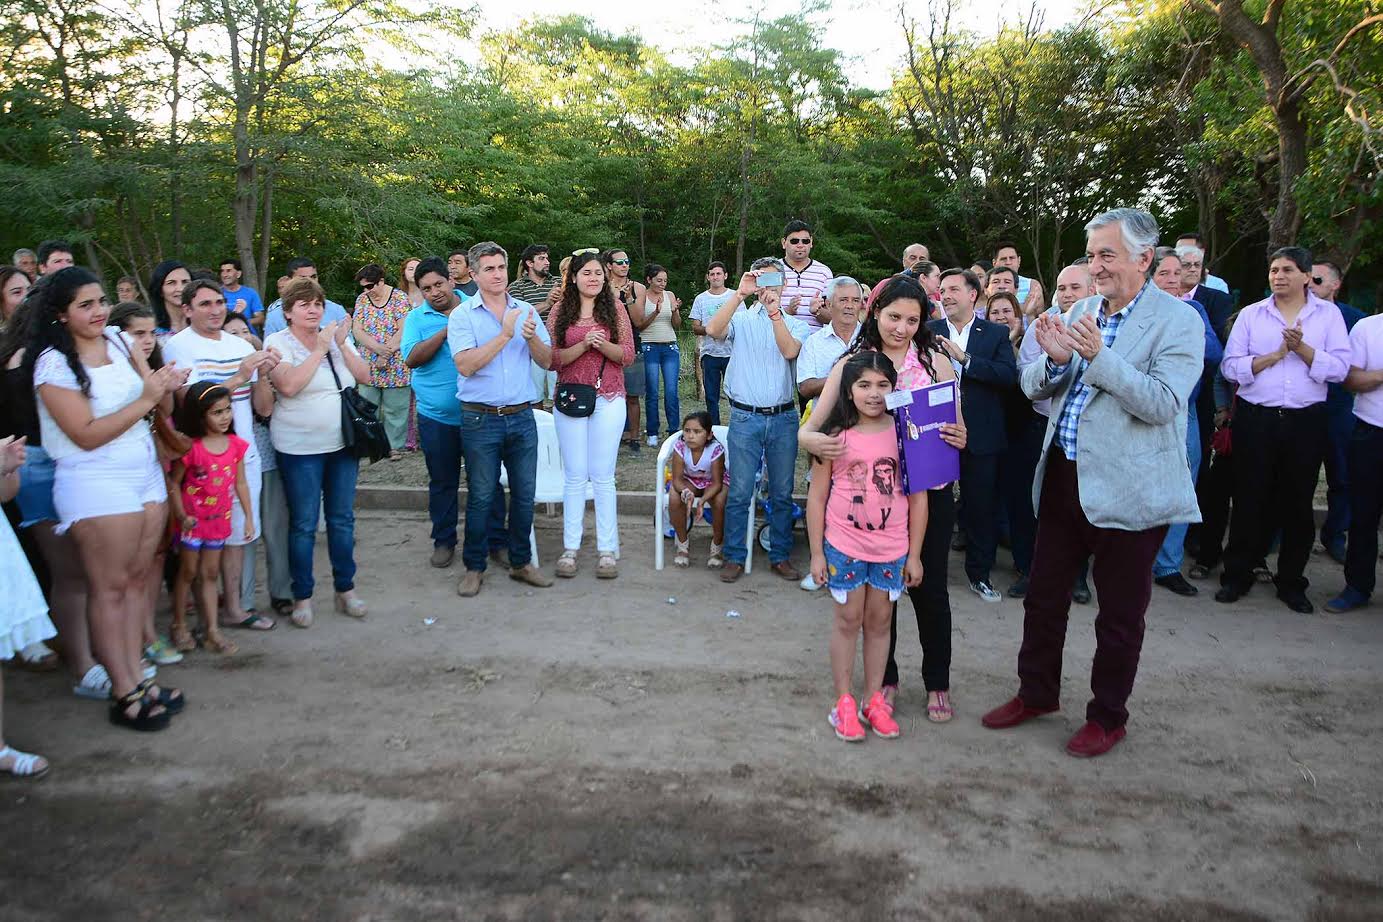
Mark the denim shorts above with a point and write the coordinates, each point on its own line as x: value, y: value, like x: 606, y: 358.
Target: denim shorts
x: 846, y: 574
x: 35, y: 497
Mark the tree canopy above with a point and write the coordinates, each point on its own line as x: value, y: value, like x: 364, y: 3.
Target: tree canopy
x: 204, y: 129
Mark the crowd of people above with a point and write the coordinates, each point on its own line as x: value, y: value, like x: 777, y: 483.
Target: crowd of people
x: 173, y: 438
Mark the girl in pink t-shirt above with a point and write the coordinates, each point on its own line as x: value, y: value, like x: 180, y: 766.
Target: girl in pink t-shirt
x: 866, y: 538
x: 205, y: 478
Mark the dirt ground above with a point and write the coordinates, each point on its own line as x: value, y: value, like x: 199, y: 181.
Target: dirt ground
x: 625, y: 751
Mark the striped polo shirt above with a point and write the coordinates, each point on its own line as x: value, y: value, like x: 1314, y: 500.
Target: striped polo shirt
x: 805, y: 285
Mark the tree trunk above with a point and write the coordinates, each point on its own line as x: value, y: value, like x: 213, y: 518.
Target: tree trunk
x: 261, y: 275
x: 245, y: 204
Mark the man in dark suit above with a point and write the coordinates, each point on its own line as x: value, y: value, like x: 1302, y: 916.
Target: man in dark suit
x: 984, y: 362
x: 1326, y: 280
x: 1218, y: 306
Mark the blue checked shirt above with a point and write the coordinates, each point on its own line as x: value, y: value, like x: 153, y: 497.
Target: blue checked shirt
x: 1079, y: 396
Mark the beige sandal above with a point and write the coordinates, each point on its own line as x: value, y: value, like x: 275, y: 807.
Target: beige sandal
x: 717, y: 558
x: 566, y: 564
x: 607, y: 567
x: 682, y: 558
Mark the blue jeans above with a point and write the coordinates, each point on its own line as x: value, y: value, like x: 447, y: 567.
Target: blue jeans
x: 663, y: 359
x: 1173, y: 550
x: 309, y: 483
x: 712, y: 373
x: 487, y: 441
x: 441, y: 444
x: 754, y: 440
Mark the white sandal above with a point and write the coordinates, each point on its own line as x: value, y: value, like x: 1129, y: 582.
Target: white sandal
x: 302, y: 615
x: 26, y: 765
x: 95, y: 685
x: 566, y: 564
x: 717, y: 558
x: 36, y: 657
x: 682, y: 557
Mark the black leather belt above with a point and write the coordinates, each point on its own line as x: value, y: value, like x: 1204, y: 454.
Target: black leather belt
x: 764, y: 411
x: 496, y: 411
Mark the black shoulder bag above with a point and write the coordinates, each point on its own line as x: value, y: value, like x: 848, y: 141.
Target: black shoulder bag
x: 578, y: 400
x: 361, y: 429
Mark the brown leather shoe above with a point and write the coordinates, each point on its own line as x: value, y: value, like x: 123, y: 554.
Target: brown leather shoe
x: 470, y: 583
x: 441, y: 556
x: 786, y: 570
x: 1093, y: 740
x: 731, y: 572
x: 531, y: 575
x: 1011, y: 714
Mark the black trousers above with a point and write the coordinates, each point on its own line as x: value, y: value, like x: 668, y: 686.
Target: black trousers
x: 1277, y: 462
x: 979, y: 518
x: 1365, y: 505
x: 930, y: 601
x: 1017, y: 467
x: 1214, y: 491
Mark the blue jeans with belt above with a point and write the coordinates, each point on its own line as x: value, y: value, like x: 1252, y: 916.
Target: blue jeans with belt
x: 310, y: 483
x: 756, y: 439
x: 1173, y: 550
x: 441, y: 444
x: 488, y: 440
x: 665, y: 360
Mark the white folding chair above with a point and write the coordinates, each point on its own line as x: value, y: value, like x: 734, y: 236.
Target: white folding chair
x: 722, y: 434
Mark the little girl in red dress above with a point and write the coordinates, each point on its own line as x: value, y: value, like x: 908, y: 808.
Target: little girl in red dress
x: 205, y: 478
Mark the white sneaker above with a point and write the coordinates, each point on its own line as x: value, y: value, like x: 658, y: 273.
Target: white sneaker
x: 985, y: 591
x: 809, y: 584
x: 652, y: 441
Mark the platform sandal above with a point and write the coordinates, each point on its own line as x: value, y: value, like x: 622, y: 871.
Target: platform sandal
x: 149, y: 715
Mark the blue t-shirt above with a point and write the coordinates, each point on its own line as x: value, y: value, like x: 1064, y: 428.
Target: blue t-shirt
x: 434, y: 384
x: 506, y: 380
x: 253, y: 304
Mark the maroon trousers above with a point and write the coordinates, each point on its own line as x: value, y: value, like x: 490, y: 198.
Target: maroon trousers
x: 1123, y: 581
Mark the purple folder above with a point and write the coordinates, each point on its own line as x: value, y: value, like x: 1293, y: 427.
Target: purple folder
x: 928, y: 462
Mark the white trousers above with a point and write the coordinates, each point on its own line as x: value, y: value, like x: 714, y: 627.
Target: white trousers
x: 590, y: 447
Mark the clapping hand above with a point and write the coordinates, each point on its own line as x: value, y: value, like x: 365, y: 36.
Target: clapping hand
x: 1086, y: 337
x: 1291, y: 338
x: 511, y: 320
x: 325, y: 336
x: 11, y: 454
x: 530, y: 324
x: 160, y: 382
x: 1053, y: 338
x: 594, y: 338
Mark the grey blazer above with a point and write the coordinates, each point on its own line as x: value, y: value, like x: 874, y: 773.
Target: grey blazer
x: 1131, y: 437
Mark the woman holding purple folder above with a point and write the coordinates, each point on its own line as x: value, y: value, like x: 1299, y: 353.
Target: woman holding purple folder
x: 895, y: 326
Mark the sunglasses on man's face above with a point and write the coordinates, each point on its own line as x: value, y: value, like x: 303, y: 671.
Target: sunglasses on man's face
x: 798, y: 241
x: 1318, y: 280
x: 619, y: 262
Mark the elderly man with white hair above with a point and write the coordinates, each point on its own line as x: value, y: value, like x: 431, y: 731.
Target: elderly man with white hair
x: 1119, y: 369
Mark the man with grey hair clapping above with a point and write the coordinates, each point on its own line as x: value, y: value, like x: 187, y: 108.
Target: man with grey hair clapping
x: 1113, y: 475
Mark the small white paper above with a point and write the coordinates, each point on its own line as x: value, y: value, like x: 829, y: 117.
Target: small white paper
x: 898, y: 399
x: 937, y: 397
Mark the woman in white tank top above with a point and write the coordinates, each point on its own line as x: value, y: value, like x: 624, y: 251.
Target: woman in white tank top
x: 661, y: 313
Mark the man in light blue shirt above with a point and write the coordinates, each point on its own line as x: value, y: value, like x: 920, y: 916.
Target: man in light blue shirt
x: 239, y: 298
x: 492, y: 339
x: 303, y: 268
x: 763, y: 414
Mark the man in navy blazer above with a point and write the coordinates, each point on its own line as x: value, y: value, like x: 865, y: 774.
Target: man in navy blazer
x: 1218, y: 306
x: 987, y: 368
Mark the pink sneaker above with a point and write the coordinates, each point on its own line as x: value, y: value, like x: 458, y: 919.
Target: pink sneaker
x: 880, y: 717
x: 846, y: 721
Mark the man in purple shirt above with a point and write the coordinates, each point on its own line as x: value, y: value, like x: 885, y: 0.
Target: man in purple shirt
x: 1282, y: 353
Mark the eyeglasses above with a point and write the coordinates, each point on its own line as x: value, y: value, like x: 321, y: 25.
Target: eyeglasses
x: 1318, y: 280
x: 585, y: 251
x: 798, y: 241
x: 619, y: 262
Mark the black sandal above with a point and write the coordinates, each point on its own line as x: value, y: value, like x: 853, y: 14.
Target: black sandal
x: 144, y: 719
x: 172, y: 699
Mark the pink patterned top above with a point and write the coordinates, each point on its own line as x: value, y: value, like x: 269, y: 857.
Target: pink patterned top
x: 913, y: 375
x: 586, y: 368
x: 208, y: 487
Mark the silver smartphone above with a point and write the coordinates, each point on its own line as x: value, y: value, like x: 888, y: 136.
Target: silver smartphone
x: 770, y: 280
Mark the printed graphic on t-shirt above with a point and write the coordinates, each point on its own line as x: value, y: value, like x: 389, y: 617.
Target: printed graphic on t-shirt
x: 871, y: 488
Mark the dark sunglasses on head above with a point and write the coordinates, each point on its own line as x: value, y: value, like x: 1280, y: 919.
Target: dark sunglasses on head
x: 1318, y: 280
x: 795, y: 241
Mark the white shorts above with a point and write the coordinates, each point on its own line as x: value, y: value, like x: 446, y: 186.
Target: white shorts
x: 254, y: 479
x: 95, y: 484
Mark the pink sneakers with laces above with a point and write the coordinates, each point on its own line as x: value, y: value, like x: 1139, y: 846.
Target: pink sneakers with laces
x: 846, y: 721
x: 880, y: 717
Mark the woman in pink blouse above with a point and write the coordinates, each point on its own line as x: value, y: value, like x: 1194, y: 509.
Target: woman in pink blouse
x: 377, y: 324
x: 592, y: 343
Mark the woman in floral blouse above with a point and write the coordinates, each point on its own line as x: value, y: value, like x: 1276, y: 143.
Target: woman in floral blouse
x: 378, y: 328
